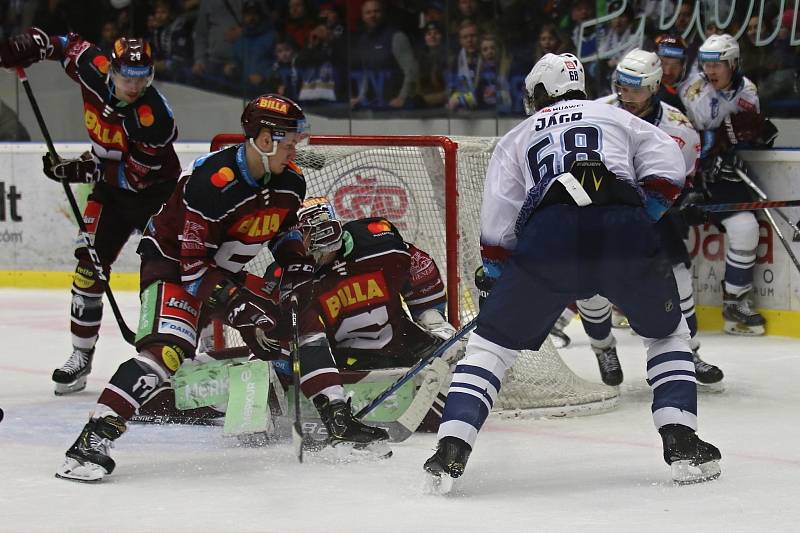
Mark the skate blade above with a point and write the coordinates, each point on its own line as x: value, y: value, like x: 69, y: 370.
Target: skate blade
x: 73, y: 470
x: 684, y: 473
x: 734, y: 328
x: 70, y: 388
x: 560, y: 340
x: 348, y: 452
x: 437, y: 484
x: 711, y: 388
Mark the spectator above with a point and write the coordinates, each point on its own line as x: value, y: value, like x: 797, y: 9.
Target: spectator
x: 299, y: 22
x: 754, y: 59
x: 467, y: 57
x: 432, y: 59
x: 780, y: 82
x: 619, y: 40
x: 109, y: 33
x: 218, y: 24
x: 170, y: 36
x: 284, y: 78
x: 550, y: 41
x: 320, y: 64
x: 252, y: 51
x: 470, y: 10
x: 492, y: 91
x: 386, y: 70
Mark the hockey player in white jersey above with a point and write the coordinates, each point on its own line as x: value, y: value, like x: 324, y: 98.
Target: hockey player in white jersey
x: 570, y: 198
x: 723, y: 106
x: 636, y: 82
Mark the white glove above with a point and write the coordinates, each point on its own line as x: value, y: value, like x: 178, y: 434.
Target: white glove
x: 433, y: 321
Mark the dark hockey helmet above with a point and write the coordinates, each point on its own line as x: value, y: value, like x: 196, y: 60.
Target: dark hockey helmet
x: 278, y: 113
x: 132, y: 58
x: 321, y: 229
x: 671, y: 46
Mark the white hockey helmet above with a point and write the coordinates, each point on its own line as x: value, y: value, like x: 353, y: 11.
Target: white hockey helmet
x: 557, y: 74
x: 639, y: 69
x: 720, y: 48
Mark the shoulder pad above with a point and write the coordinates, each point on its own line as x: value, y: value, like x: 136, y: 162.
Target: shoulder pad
x: 289, y: 181
x: 374, y: 235
x: 215, y: 187
x: 150, y: 119
x: 92, y: 66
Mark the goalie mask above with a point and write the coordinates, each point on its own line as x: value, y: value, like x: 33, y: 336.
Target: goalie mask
x: 322, y: 231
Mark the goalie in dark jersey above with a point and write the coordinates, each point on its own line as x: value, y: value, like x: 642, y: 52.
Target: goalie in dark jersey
x: 132, y: 164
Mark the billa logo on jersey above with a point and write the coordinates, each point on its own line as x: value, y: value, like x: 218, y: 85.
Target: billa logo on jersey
x: 354, y: 293
x: 222, y: 177
x: 273, y: 105
x: 103, y: 133
x: 145, y: 113
x: 259, y: 226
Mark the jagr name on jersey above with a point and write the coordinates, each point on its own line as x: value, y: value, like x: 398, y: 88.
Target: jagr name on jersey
x: 355, y: 292
x: 560, y: 118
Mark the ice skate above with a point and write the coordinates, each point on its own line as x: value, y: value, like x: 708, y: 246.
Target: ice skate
x: 610, y: 369
x: 709, y: 377
x: 347, y: 432
x: 740, y: 317
x: 691, y: 459
x: 71, y: 376
x: 89, y: 459
x: 447, y: 464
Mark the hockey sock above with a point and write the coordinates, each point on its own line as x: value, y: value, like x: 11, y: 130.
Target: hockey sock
x: 131, y: 385
x: 683, y: 278
x: 86, y: 313
x: 596, y: 319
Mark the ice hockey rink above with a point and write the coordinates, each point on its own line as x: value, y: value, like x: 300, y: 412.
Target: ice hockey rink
x: 594, y: 473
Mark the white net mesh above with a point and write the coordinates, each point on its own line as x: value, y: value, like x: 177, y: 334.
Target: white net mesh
x: 406, y: 185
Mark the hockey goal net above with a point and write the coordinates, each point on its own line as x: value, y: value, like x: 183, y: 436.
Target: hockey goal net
x: 431, y: 188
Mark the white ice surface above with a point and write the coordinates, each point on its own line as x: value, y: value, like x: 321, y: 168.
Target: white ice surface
x: 596, y: 473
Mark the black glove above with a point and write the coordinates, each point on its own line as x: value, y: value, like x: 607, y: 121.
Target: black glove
x: 253, y: 318
x: 484, y: 284
x: 81, y: 170
x: 25, y: 49
x: 726, y: 165
x: 297, y: 282
x: 692, y: 213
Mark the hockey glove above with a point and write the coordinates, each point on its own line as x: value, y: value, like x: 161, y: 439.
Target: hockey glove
x: 433, y: 321
x: 81, y: 170
x: 297, y: 281
x: 750, y: 127
x: 726, y: 165
x: 692, y: 214
x: 253, y: 320
x: 484, y: 284
x: 25, y: 49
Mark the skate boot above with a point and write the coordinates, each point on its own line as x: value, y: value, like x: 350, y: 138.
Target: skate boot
x: 447, y: 464
x: 558, y: 336
x: 345, y: 429
x: 709, y: 376
x: 691, y: 459
x: 610, y: 369
x: 71, y: 377
x: 88, y: 459
x: 740, y: 317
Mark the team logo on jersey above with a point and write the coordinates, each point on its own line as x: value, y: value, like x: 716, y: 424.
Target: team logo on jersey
x: 103, y: 133
x: 422, y: 266
x: 681, y: 142
x: 145, y: 113
x: 258, y: 227
x: 100, y: 62
x: 694, y: 90
x: 744, y: 105
x: 379, y: 227
x: 354, y: 293
x: 273, y: 104
x: 222, y: 177
x: 678, y: 117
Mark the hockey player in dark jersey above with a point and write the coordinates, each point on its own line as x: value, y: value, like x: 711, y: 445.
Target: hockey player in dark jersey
x: 672, y: 51
x: 365, y: 273
x: 226, y: 207
x: 132, y: 164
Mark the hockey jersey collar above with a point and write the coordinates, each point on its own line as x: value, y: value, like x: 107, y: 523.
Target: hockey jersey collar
x: 241, y: 162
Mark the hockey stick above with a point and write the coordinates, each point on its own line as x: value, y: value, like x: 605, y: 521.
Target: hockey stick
x: 297, y: 425
x: 127, y: 334
x: 748, y: 206
x: 414, y: 370
x: 761, y: 194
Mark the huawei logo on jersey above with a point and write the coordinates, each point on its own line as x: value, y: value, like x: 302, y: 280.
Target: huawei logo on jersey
x: 108, y: 135
x: 354, y: 293
x: 258, y: 227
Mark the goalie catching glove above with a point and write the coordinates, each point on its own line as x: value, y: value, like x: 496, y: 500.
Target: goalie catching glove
x: 84, y: 169
x: 433, y: 321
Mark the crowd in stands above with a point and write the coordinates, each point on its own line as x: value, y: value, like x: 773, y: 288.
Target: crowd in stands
x: 458, y: 56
